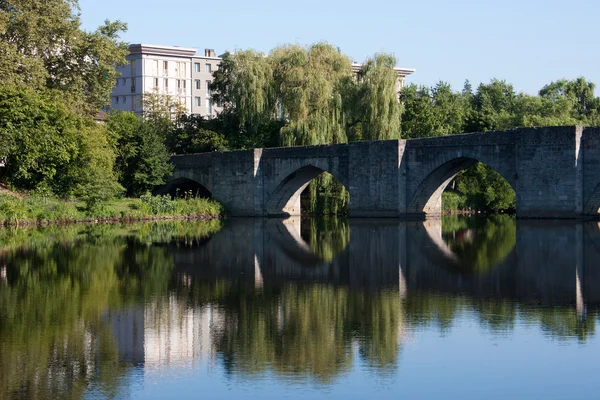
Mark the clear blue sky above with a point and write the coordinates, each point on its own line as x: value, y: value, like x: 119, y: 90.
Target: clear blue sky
x: 526, y: 42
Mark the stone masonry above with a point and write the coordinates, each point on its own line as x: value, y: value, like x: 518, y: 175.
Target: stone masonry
x: 555, y: 172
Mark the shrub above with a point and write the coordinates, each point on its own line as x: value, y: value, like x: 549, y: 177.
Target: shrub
x: 159, y: 205
x: 453, y: 201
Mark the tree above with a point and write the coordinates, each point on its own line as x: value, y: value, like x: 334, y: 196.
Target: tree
x: 308, y: 85
x: 494, y: 107
x: 377, y: 107
x: 43, y: 47
x: 162, y: 109
x: 192, y: 136
x: 577, y: 95
x: 143, y: 161
x: 435, y: 111
x: 47, y: 145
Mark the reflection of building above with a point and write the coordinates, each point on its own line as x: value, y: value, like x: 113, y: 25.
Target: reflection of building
x: 165, y: 333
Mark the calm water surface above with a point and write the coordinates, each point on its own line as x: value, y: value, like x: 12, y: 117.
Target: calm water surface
x: 464, y: 308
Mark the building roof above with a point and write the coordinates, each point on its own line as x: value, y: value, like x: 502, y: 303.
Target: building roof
x: 162, y: 50
x: 400, y: 71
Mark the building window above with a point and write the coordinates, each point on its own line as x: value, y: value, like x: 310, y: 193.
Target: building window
x: 117, y: 100
x: 181, y: 70
x: 165, y: 68
x: 208, y: 108
x: 196, y: 67
x: 208, y: 68
x: 166, y: 84
x: 197, y: 82
x: 124, y: 99
x: 124, y: 81
x: 181, y: 86
x: 132, y: 68
x: 197, y: 101
x: 155, y: 83
x: 208, y: 89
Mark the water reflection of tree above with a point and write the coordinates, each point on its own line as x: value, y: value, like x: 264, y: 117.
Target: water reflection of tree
x: 480, y: 243
x: 326, y: 236
x: 59, y: 281
x: 307, y: 331
x: 498, y: 315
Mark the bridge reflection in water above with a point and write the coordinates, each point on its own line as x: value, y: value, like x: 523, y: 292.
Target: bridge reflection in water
x: 549, y: 262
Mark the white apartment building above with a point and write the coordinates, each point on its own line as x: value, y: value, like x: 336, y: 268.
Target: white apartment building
x: 180, y: 73
x: 167, y: 70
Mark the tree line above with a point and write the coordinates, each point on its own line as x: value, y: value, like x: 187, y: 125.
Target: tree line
x: 55, y: 77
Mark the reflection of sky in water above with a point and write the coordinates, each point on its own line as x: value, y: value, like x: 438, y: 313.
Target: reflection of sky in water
x: 466, y: 362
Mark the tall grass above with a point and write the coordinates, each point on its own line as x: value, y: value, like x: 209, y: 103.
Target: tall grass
x: 40, y: 209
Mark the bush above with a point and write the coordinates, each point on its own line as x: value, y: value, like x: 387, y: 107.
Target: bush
x: 59, y: 211
x: 453, y: 201
x: 159, y: 205
x: 12, y: 209
x: 194, y: 207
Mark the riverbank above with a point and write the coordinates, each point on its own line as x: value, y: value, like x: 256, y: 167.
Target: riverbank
x: 18, y: 209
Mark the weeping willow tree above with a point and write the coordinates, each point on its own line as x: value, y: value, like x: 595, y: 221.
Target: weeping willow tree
x: 310, y: 96
x: 243, y: 86
x: 378, y: 109
x: 308, y: 85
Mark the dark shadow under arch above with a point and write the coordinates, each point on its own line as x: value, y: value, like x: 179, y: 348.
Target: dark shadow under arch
x: 285, y: 199
x: 181, y: 187
x: 427, y: 199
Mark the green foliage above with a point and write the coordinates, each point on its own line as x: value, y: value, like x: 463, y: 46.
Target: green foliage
x: 326, y: 196
x: 308, y: 85
x: 39, y: 208
x: 326, y: 236
x: 485, y: 189
x: 143, y: 161
x: 374, y: 112
x: 301, y: 96
x: 435, y: 111
x: 49, y: 146
x: 43, y: 47
x: 53, y: 78
x: 453, y: 201
x: 192, y: 136
x: 189, y: 206
x: 158, y: 204
x: 12, y: 210
x: 480, y: 243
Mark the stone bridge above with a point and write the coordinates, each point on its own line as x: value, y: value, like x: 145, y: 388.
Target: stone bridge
x: 555, y: 172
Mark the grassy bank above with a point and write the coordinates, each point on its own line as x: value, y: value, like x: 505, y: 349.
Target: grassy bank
x: 35, y: 209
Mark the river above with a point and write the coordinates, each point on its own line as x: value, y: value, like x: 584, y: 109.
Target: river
x: 465, y: 307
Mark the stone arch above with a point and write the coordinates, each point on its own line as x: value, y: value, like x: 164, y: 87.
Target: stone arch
x: 285, y: 198
x: 427, y: 198
x: 592, y: 205
x: 185, y: 183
